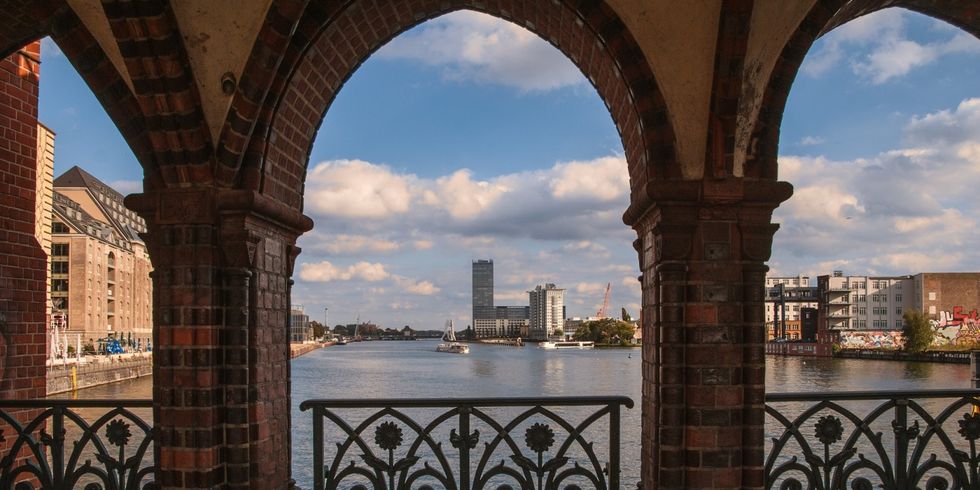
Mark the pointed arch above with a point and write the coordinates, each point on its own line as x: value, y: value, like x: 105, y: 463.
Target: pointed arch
x: 823, y: 17
x: 266, y: 140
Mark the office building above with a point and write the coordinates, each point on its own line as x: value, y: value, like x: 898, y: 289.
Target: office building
x: 547, y: 311
x: 299, y: 325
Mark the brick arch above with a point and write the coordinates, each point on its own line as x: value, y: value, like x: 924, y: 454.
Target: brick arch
x: 822, y: 18
x: 34, y: 19
x: 330, y: 42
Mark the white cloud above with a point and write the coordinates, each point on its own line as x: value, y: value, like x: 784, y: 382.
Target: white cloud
x: 605, y: 179
x: 811, y: 141
x: 357, y: 189
x: 877, y: 48
x: 424, y: 288
x: 350, y: 244
x: 569, y: 201
x: 472, y: 46
x: 590, y: 288
x: 462, y: 197
x: 898, y: 212
x: 125, y: 187
x: 325, y: 272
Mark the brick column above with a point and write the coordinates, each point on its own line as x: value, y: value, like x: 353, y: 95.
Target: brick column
x: 703, y: 247
x: 222, y: 260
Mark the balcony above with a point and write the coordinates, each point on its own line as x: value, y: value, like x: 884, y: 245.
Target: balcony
x: 891, y: 440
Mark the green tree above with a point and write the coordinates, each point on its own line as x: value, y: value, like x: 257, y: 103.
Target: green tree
x: 559, y: 332
x: 626, y: 315
x: 916, y: 332
x: 605, y: 331
x: 318, y: 329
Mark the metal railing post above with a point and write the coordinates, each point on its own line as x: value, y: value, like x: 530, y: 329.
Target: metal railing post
x: 901, y: 440
x: 464, y: 447
x: 58, y: 444
x: 318, y: 482
x: 614, y: 445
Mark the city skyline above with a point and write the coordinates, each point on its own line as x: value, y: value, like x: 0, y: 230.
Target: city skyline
x: 444, y: 189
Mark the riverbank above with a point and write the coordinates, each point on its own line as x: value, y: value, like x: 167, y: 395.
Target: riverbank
x: 296, y: 350
x: 949, y: 357
x: 97, y: 370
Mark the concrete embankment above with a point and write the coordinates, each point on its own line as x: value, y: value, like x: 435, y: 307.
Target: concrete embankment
x: 296, y: 350
x: 952, y: 357
x: 98, y: 371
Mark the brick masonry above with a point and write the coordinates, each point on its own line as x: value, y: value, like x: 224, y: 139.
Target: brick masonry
x: 23, y: 264
x: 224, y: 216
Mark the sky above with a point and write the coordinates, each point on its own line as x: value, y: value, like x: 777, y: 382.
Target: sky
x: 468, y: 137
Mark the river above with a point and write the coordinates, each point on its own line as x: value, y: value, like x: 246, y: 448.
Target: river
x: 413, y: 369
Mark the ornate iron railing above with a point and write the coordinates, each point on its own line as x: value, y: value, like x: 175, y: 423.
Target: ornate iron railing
x: 62, y: 444
x: 879, y: 439
x: 467, y: 443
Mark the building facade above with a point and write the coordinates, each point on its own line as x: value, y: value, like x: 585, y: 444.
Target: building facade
x: 100, y: 268
x: 484, y: 315
x: 299, y: 325
x: 864, y: 302
x: 547, y: 311
x: 44, y: 202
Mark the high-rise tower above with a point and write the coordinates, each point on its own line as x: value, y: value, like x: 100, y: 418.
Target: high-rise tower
x: 482, y: 292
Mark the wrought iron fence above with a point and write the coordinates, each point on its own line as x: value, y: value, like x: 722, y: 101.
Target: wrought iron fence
x: 467, y: 443
x: 61, y: 444
x: 880, y: 439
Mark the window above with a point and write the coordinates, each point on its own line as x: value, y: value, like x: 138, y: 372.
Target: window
x: 932, y: 296
x: 862, y: 298
x: 59, y: 267
x: 898, y: 310
x: 898, y: 285
x: 898, y: 324
x: 863, y: 310
x: 59, y: 285
x: 59, y: 227
x: 59, y: 249
x: 898, y: 298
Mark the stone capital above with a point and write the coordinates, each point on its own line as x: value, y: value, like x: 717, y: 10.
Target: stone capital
x: 691, y: 200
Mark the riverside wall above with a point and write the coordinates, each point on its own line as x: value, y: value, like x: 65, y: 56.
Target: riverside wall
x: 62, y: 378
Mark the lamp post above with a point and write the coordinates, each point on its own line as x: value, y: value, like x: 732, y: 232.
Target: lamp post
x: 326, y: 327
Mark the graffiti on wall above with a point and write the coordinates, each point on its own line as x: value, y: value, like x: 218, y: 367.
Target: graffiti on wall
x: 956, y: 327
x: 871, y: 339
x: 952, y: 327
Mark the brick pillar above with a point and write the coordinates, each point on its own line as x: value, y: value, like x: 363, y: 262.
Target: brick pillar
x: 222, y: 260
x: 703, y: 247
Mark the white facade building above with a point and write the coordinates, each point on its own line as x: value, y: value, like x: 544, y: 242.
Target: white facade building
x: 547, y: 311
x: 865, y: 302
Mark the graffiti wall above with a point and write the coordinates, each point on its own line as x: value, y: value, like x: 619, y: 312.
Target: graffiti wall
x: 871, y: 339
x: 956, y: 327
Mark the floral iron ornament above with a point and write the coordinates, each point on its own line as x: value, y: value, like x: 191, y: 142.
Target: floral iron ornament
x: 388, y: 436
x: 539, y: 438
x: 849, y: 448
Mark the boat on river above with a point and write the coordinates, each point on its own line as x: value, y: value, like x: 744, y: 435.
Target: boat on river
x: 450, y: 345
x: 567, y: 344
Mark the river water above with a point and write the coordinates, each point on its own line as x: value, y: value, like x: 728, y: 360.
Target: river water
x: 415, y: 370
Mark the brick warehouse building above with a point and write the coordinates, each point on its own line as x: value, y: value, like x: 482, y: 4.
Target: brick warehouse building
x: 223, y: 126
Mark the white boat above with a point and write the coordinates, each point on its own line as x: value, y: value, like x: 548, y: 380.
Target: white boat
x: 450, y: 344
x: 567, y: 344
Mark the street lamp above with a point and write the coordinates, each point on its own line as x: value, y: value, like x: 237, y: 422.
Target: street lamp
x: 326, y: 328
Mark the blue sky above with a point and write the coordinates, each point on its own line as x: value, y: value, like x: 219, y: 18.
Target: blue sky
x: 468, y: 137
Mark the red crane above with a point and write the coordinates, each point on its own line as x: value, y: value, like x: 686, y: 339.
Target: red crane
x: 605, y: 303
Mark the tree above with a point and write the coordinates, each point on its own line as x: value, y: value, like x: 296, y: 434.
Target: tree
x: 559, y: 332
x: 318, y: 329
x: 626, y: 316
x: 605, y: 331
x: 916, y: 332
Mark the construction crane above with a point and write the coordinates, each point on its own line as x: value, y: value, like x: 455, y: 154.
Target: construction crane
x: 605, y: 302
